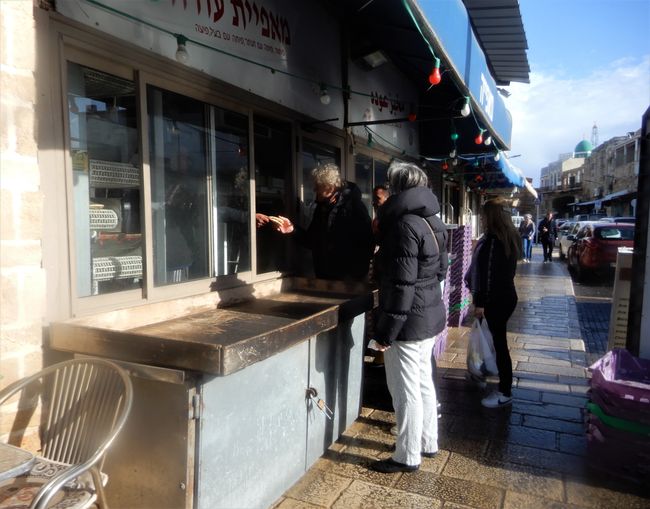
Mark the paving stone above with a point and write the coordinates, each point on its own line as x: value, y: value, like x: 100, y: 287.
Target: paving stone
x: 526, y: 394
x: 564, y: 399
x: 459, y: 491
x: 605, y: 497
x: 363, y: 495
x: 547, y: 353
x: 551, y: 369
x: 353, y: 467
x: 549, y: 361
x: 573, y: 444
x: 507, y: 476
x: 292, y: 503
x: 318, y: 487
x: 541, y: 385
x: 578, y: 389
x: 573, y: 428
x: 541, y: 458
x: 549, y: 410
x: 532, y: 375
x: 516, y: 500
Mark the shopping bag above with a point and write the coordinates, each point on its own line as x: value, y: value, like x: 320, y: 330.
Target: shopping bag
x: 481, y: 356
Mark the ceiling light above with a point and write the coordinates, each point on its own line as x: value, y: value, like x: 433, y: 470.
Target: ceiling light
x: 375, y: 59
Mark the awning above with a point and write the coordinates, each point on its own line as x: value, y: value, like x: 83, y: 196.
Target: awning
x: 447, y: 27
x: 617, y: 194
x: 606, y: 198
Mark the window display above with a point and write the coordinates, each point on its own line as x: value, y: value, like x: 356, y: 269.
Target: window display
x: 106, y: 181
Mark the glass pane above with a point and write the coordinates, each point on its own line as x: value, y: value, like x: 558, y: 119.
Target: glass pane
x: 363, y: 179
x: 179, y: 186
x: 232, y: 192
x: 272, y: 188
x: 381, y: 171
x: 106, y: 181
x: 313, y: 154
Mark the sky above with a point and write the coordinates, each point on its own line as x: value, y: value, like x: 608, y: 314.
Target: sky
x: 589, y: 62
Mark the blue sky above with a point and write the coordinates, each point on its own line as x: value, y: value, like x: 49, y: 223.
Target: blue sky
x: 590, y: 61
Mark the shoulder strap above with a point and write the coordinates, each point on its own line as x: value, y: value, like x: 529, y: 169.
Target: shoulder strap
x: 432, y: 233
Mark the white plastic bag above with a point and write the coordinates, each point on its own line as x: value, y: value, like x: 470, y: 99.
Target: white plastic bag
x: 481, y: 356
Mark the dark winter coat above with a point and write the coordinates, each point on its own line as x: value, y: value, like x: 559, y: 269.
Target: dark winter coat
x: 551, y: 230
x: 491, y: 277
x: 340, y: 237
x: 413, y: 264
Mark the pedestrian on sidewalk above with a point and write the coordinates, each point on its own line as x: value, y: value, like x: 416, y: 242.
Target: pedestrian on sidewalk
x: 547, y: 234
x: 413, y: 261
x: 527, y: 234
x: 491, y: 279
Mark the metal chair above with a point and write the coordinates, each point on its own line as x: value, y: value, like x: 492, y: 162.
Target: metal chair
x: 84, y: 404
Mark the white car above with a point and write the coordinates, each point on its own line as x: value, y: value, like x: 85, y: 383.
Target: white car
x: 567, y: 236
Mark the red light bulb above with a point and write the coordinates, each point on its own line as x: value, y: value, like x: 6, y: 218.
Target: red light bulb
x: 479, y: 138
x: 445, y: 166
x: 434, y: 77
x: 412, y: 117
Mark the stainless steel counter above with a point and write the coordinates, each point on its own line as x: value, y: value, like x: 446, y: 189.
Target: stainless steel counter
x: 218, y: 341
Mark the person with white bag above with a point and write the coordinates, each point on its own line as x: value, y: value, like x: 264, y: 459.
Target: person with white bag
x: 491, y: 281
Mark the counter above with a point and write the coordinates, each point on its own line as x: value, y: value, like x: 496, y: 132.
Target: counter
x: 222, y: 416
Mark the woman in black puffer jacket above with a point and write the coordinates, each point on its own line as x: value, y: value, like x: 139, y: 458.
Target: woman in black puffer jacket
x: 411, y: 312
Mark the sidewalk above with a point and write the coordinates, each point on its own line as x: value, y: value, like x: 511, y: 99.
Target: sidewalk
x: 530, y: 456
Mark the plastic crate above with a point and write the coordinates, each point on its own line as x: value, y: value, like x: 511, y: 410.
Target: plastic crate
x: 620, y: 386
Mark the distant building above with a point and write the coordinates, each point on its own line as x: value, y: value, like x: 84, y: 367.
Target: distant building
x: 600, y: 179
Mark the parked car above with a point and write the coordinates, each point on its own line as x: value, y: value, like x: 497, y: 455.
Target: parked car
x: 562, y: 233
x: 619, y: 219
x: 596, y: 245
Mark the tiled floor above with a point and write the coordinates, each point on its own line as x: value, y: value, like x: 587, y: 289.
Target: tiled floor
x: 530, y: 456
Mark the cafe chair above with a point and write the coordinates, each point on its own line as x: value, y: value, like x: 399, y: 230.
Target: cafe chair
x: 84, y: 404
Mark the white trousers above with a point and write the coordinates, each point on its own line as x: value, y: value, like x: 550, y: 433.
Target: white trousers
x: 408, y: 373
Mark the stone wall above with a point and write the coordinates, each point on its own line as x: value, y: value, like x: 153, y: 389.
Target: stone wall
x: 22, y: 278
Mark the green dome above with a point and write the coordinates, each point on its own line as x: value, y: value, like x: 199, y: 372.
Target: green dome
x: 583, y: 149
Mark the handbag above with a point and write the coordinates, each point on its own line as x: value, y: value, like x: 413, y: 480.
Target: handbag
x: 481, y: 356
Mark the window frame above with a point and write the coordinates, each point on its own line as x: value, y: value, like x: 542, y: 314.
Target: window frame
x: 83, y: 46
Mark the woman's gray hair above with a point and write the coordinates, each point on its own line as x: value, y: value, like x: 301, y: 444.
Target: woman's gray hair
x: 327, y: 175
x: 402, y: 176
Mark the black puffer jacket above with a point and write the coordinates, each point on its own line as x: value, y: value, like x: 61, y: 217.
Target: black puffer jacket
x: 412, y: 266
x: 491, y: 277
x: 340, y: 237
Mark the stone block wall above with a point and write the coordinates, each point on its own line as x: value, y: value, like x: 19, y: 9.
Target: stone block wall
x: 22, y: 278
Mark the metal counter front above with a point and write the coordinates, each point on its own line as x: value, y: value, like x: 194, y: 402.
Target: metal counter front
x: 222, y: 415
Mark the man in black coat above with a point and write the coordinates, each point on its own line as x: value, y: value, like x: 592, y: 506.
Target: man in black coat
x: 547, y: 233
x: 339, y: 235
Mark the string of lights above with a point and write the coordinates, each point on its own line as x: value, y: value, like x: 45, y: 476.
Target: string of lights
x: 183, y: 56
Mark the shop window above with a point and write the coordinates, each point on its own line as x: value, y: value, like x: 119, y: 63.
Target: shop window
x: 368, y: 173
x: 273, y: 165
x: 107, y: 183
x: 363, y: 178
x: 199, y: 188
x: 314, y: 153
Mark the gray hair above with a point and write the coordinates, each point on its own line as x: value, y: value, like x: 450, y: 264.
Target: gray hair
x: 402, y: 176
x: 327, y: 175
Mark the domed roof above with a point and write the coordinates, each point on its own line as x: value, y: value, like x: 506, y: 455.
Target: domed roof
x: 583, y: 149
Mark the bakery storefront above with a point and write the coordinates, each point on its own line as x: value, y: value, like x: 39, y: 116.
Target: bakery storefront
x: 173, y: 124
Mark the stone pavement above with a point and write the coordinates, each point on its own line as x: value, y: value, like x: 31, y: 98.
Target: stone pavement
x: 530, y: 456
